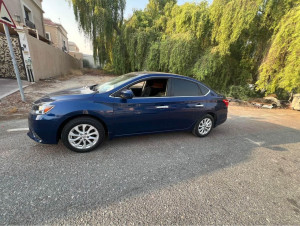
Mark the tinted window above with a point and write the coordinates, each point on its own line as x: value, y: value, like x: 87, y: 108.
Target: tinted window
x: 181, y: 87
x: 204, y: 90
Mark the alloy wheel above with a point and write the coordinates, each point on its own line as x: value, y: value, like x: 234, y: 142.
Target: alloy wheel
x: 205, y: 126
x: 83, y: 136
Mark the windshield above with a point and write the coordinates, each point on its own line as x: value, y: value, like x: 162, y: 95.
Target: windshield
x: 108, y: 86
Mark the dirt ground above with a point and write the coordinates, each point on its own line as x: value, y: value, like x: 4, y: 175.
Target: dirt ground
x: 12, y: 107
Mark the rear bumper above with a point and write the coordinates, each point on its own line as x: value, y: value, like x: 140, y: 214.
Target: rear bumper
x: 43, y: 129
x: 221, y: 117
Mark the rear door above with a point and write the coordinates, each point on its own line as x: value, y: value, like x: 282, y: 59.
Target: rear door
x: 187, y: 104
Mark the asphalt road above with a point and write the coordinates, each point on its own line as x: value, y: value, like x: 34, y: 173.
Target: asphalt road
x: 246, y: 172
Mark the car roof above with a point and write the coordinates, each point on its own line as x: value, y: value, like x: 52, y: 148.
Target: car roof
x: 146, y: 74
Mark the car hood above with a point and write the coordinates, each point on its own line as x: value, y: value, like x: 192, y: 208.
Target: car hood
x: 68, y: 94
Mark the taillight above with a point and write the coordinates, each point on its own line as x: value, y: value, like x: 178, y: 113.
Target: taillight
x: 226, y: 102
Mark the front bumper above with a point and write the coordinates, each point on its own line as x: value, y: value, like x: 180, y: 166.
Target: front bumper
x: 43, y: 128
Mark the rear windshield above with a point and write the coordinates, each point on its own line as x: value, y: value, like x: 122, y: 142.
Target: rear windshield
x: 108, y: 86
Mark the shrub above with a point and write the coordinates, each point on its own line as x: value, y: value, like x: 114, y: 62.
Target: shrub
x: 242, y: 92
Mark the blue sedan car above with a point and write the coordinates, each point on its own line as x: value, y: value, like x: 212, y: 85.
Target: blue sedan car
x: 131, y: 104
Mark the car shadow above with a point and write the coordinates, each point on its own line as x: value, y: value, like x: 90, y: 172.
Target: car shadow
x: 68, y: 183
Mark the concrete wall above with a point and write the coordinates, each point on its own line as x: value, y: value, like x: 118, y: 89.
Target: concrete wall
x: 48, y: 61
x: 76, y: 55
x: 16, y: 7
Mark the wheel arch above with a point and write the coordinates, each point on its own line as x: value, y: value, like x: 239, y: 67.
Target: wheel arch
x: 212, y: 114
x: 62, y: 125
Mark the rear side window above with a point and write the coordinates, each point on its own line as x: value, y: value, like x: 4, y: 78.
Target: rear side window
x: 204, y: 90
x: 184, y: 88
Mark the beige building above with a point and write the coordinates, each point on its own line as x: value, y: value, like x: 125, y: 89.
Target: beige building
x: 73, y: 47
x: 74, y: 51
x: 27, y: 13
x: 37, y: 58
x: 56, y: 34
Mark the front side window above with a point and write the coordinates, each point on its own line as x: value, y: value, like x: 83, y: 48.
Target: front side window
x: 183, y: 88
x: 120, y: 80
x: 150, y: 88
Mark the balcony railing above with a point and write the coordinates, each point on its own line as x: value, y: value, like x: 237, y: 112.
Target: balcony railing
x: 29, y: 24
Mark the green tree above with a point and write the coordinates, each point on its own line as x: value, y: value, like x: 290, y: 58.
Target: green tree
x: 101, y: 20
x: 281, y: 66
x: 153, y: 57
x: 230, y: 18
x: 227, y: 44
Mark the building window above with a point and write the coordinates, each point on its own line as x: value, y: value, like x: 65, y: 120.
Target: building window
x: 64, y: 46
x: 48, y: 36
x: 27, y: 13
x: 28, y: 18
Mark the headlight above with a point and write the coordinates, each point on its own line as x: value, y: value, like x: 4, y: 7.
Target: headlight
x: 42, y: 109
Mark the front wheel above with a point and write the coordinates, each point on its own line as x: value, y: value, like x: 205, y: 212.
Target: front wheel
x: 83, y: 134
x: 204, y: 126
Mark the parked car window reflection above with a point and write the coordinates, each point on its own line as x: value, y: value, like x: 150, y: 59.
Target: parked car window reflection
x: 108, y: 86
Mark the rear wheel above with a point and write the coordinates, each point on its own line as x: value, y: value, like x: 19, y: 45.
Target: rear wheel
x: 83, y: 134
x: 204, y: 126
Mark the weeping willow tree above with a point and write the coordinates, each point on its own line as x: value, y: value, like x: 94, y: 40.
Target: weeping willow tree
x: 229, y: 43
x: 230, y: 18
x: 101, y: 20
x: 281, y: 66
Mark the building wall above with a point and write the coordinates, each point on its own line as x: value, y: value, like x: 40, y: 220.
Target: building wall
x: 37, y: 13
x: 16, y: 7
x: 57, y: 36
x: 6, y: 65
x: 53, y: 33
x: 73, y: 47
x: 63, y: 36
x: 48, y: 61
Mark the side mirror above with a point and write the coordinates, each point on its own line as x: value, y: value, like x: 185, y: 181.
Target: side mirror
x: 126, y: 94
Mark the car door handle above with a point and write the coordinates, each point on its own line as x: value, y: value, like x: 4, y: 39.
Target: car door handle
x: 162, y: 107
x: 199, y: 105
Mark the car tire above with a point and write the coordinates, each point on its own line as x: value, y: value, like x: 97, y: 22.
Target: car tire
x: 83, y: 134
x: 204, y: 126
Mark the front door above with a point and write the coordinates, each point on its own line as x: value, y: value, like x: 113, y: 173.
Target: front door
x: 147, y: 112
